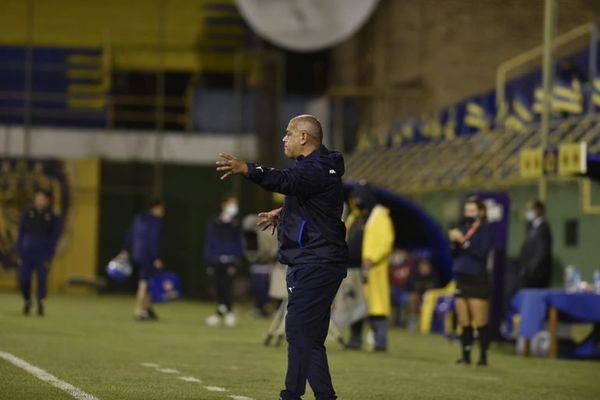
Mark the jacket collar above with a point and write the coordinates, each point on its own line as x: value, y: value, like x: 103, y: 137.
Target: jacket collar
x: 314, y: 154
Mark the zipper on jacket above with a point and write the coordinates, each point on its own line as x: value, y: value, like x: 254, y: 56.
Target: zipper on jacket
x: 300, y: 233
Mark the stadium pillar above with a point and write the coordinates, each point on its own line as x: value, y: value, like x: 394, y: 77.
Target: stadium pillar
x: 27, y: 98
x: 547, y: 76
x: 160, y: 100
x: 592, y: 63
x: 270, y: 90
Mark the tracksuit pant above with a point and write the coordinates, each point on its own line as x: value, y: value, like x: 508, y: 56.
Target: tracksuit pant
x: 26, y: 270
x: 224, y: 275
x: 311, y: 290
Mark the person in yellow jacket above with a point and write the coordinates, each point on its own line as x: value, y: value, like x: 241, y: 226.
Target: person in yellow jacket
x: 377, y: 246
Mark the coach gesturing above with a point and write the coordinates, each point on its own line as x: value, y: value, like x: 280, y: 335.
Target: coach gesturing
x: 312, y: 243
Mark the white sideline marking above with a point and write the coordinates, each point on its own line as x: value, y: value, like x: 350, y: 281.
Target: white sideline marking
x: 194, y: 380
x: 168, y: 370
x: 190, y: 379
x: 215, y: 388
x: 47, y: 377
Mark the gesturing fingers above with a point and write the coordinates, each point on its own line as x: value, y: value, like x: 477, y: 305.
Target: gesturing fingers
x: 227, y: 156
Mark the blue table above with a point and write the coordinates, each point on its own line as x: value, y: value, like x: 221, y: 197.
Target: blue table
x: 535, y: 304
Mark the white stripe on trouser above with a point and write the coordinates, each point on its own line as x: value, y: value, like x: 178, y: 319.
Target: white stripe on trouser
x: 47, y: 377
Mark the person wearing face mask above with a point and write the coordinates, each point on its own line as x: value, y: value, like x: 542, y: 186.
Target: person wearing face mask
x: 142, y: 246
x: 373, y: 252
x: 223, y: 253
x: 472, y: 243
x: 535, y: 258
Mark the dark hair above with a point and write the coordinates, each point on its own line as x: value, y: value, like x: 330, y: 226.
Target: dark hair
x: 480, y: 206
x: 538, y: 206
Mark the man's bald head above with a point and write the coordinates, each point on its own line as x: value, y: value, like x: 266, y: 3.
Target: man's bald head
x: 302, y: 136
x: 309, y: 124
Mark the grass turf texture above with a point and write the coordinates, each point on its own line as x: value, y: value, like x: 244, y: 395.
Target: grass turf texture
x: 94, y: 344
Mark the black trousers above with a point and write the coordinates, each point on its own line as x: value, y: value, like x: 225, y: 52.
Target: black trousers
x: 26, y: 270
x: 311, y: 290
x: 224, y: 274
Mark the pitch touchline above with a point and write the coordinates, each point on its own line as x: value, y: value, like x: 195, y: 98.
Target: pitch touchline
x: 47, y: 377
x: 173, y: 371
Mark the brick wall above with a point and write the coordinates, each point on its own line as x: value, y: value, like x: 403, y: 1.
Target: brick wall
x: 427, y: 54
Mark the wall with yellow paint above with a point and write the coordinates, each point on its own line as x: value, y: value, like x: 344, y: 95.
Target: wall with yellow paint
x: 77, y: 252
x: 132, y: 28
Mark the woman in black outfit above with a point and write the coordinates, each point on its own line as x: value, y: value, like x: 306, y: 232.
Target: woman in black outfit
x: 472, y: 244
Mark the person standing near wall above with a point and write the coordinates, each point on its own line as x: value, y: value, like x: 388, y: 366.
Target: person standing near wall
x: 472, y: 243
x: 223, y: 254
x: 535, y: 258
x: 38, y: 235
x: 142, y: 248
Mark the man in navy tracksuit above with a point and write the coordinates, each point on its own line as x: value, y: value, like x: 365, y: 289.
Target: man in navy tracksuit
x: 38, y: 235
x: 142, y: 246
x: 312, y: 243
x: 223, y: 254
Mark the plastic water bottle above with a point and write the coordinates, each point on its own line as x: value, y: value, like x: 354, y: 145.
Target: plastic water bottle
x: 572, y: 279
x: 570, y: 272
x: 597, y: 281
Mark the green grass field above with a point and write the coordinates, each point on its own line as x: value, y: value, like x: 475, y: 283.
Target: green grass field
x: 94, y: 344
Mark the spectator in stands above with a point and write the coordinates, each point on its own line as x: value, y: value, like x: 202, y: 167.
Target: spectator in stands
x: 142, y: 248
x: 377, y: 246
x: 472, y: 243
x: 223, y: 254
x: 401, y: 266
x: 535, y: 259
x: 38, y: 235
x: 422, y: 279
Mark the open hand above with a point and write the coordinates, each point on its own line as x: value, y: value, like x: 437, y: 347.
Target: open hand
x: 269, y: 219
x: 230, y: 165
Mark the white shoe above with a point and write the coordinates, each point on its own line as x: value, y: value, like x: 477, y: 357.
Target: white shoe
x: 230, y: 320
x: 213, y: 320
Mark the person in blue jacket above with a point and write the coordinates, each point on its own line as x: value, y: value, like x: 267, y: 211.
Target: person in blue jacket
x: 223, y: 253
x: 39, y: 230
x: 472, y: 245
x: 311, y: 237
x: 142, y: 248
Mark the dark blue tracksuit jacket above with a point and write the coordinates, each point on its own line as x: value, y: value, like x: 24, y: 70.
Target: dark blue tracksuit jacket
x: 223, y: 240
x: 310, y: 228
x: 143, y: 239
x: 39, y: 231
x: 472, y: 259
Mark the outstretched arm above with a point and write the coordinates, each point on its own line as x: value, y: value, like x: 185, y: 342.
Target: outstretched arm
x: 292, y: 181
